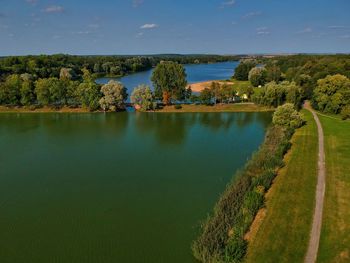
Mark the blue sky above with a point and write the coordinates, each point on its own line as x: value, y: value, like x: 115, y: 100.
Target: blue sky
x: 173, y: 26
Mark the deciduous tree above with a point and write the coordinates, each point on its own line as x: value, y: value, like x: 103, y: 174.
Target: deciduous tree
x: 169, y: 80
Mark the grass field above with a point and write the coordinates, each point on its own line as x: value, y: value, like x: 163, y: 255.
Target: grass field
x: 281, y: 231
x: 238, y: 107
x: 335, y: 235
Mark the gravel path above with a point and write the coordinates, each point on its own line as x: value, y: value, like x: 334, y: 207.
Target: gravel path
x: 315, y: 234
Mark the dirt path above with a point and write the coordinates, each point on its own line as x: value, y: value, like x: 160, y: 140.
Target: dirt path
x: 315, y: 234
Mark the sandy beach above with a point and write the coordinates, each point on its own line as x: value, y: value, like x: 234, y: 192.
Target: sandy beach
x: 200, y: 86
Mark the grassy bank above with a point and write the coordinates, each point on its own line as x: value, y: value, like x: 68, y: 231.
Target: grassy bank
x: 4, y: 109
x: 222, y: 237
x: 238, y: 107
x: 281, y: 230
x: 335, y: 235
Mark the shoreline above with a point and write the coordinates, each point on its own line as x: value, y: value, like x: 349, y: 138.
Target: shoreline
x: 4, y: 109
x: 192, y: 108
x: 235, y: 107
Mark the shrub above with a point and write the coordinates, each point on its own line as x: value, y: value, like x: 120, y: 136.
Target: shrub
x: 222, y: 234
x: 345, y: 113
x: 178, y: 107
x: 287, y: 116
x: 142, y: 97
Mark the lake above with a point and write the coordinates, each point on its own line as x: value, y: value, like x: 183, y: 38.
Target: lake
x: 195, y: 73
x: 126, y: 187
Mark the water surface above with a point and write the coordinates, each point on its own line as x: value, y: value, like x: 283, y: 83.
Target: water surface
x: 195, y: 73
x: 124, y: 187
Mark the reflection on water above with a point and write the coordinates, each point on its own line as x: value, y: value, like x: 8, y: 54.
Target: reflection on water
x: 125, y: 187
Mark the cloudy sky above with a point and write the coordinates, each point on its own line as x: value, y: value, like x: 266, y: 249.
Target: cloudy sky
x: 173, y: 26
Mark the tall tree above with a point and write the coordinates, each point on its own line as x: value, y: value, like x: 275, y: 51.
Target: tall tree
x: 10, y: 90
x: 258, y: 76
x: 332, y: 93
x: 169, y: 80
x: 27, y: 93
x: 242, y: 71
x: 114, y: 96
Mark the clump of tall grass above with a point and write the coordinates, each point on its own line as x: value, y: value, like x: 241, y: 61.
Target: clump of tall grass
x: 222, y: 234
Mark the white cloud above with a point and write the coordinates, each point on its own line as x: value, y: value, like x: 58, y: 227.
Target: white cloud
x: 263, y: 32
x: 137, y: 3
x: 138, y: 35
x: 252, y: 14
x: 336, y: 27
x: 148, y: 26
x: 228, y: 3
x: 305, y: 30
x: 54, y: 9
x: 32, y: 2
x: 263, y: 28
x: 86, y: 32
x: 94, y: 26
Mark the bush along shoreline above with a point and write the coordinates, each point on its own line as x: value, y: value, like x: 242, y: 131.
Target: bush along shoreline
x: 222, y: 236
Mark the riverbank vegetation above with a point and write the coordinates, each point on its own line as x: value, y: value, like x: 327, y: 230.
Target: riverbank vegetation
x: 222, y: 237
x: 281, y: 230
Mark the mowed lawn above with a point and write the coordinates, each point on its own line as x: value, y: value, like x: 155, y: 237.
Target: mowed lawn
x: 281, y: 231
x: 335, y: 235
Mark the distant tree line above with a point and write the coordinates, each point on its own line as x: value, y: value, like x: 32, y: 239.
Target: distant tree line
x: 45, y: 66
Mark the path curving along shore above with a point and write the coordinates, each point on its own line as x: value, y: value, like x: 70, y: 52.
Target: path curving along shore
x: 315, y: 234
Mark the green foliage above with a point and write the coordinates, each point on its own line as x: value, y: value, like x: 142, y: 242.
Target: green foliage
x: 27, y: 93
x: 89, y: 95
x: 243, y: 69
x: 50, y: 91
x: 169, y: 80
x: 258, y: 76
x: 10, y: 90
x: 222, y: 235
x: 332, y: 94
x: 178, y: 107
x: 345, y: 112
x: 206, y: 96
x: 273, y: 73
x: 114, y: 96
x: 142, y: 97
x: 287, y: 116
x: 274, y: 95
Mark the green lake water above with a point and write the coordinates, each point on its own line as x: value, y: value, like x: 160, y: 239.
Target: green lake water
x: 124, y: 187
